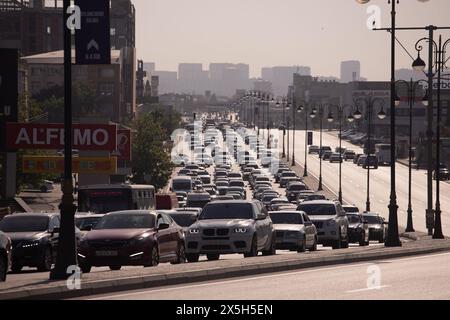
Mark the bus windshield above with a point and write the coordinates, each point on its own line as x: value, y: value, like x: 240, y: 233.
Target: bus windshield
x: 104, y: 201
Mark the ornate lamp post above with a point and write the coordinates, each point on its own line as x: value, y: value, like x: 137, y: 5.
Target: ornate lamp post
x: 369, y: 104
x: 411, y: 99
x: 350, y: 118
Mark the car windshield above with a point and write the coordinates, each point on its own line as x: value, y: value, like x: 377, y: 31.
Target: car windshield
x: 353, y: 218
x: 297, y: 187
x: 24, y: 224
x: 227, y: 211
x: 181, y: 185
x: 351, y: 209
x: 236, y: 183
x: 126, y: 221
x: 288, y: 174
x: 85, y: 222
x: 318, y: 209
x: 372, y: 219
x: 269, y: 197
x: 184, y: 219
x: 286, y: 218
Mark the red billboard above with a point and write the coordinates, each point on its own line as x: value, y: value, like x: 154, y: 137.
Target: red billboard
x: 50, y: 136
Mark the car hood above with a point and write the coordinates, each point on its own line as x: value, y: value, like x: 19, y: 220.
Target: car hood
x: 116, y: 234
x: 25, y: 236
x: 222, y: 223
x: 321, y: 218
x: 288, y: 227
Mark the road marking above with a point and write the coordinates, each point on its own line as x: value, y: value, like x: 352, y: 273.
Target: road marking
x: 266, y: 277
x: 368, y: 289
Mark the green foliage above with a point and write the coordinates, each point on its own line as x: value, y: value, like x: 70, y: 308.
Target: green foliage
x: 150, y: 159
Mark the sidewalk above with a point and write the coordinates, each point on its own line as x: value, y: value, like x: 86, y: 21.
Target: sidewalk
x: 166, y: 274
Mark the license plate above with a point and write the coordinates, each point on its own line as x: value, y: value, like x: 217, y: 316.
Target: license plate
x: 111, y: 253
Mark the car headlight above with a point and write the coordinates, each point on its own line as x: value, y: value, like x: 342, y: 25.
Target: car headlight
x: 194, y: 231
x: 240, y: 230
x: 31, y: 244
x: 331, y: 223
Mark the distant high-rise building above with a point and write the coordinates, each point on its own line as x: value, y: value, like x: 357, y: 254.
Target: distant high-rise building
x: 282, y: 77
x: 350, y: 71
x: 226, y: 78
x: 149, y: 67
x: 168, y: 81
x: 261, y: 85
x: 192, y: 78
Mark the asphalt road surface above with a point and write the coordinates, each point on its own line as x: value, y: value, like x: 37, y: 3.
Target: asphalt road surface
x: 354, y: 181
x: 426, y: 278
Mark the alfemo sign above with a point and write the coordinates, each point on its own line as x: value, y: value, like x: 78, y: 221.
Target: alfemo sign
x: 51, y: 136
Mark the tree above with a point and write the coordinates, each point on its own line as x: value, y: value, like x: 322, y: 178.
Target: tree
x: 151, y: 163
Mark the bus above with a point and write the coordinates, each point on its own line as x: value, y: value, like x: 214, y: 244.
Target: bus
x: 115, y: 197
x: 383, y: 153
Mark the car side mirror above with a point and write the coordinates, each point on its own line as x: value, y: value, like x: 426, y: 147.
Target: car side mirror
x: 88, y: 228
x: 163, y: 226
x: 261, y: 216
x: 55, y: 230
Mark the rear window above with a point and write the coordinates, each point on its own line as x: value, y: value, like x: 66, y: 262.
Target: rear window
x: 297, y: 187
x: 318, y: 209
x: 227, y: 211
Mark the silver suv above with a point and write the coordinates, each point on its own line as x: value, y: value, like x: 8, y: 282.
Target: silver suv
x: 227, y: 227
x: 330, y: 220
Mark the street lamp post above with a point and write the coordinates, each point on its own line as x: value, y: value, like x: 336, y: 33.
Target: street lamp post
x: 411, y: 98
x: 288, y: 124
x: 318, y: 111
x: 437, y: 52
x: 66, y: 255
x: 340, y: 111
x: 369, y: 104
x: 393, y: 239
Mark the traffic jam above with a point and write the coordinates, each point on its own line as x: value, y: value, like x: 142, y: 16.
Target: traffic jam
x: 230, y: 196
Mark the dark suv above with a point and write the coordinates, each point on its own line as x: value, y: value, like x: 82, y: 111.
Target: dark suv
x: 227, y: 227
x: 34, y: 239
x: 5, y: 255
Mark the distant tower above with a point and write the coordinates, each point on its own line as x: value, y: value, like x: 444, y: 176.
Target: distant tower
x: 350, y: 71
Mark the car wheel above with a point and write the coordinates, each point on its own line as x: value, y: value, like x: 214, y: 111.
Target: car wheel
x: 115, y: 268
x: 253, y: 249
x: 314, y: 246
x: 181, y: 255
x: 3, y: 268
x: 273, y: 248
x: 192, y: 257
x: 85, y: 268
x: 337, y: 243
x: 47, y: 261
x: 302, y: 248
x: 44, y: 189
x: 362, y: 241
x: 213, y: 256
x: 16, y: 268
x: 344, y: 244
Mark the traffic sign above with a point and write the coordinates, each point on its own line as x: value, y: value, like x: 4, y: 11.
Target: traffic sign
x: 8, y: 90
x: 92, y: 40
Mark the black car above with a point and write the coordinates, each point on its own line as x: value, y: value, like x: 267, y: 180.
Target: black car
x: 377, y: 227
x: 5, y: 255
x: 444, y: 173
x: 294, y: 189
x: 370, y: 162
x: 34, y: 239
x: 358, y: 229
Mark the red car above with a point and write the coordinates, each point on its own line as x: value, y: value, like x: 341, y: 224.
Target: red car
x: 132, y: 238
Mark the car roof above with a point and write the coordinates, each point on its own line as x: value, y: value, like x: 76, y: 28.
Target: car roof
x: 371, y: 214
x: 319, y: 202
x: 130, y: 212
x: 285, y: 211
x: 33, y: 214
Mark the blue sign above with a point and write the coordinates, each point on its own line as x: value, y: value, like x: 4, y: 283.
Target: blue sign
x: 92, y: 41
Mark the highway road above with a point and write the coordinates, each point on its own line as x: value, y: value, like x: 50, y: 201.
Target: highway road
x: 354, y: 183
x: 426, y: 278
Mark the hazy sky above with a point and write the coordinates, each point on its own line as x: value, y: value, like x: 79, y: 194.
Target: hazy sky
x: 315, y: 33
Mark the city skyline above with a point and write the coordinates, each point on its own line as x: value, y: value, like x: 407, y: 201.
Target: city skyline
x: 283, y: 37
